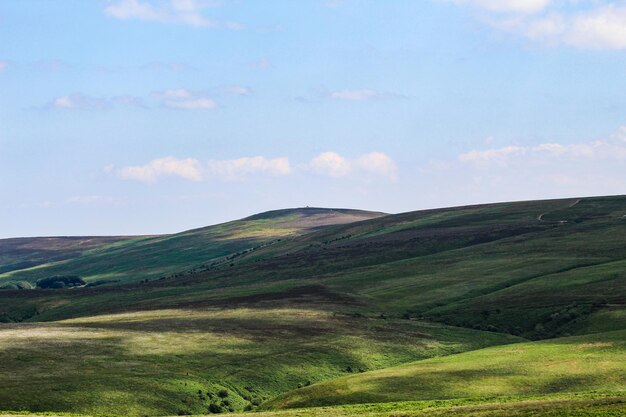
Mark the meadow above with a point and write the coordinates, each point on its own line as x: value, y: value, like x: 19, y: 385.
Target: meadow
x: 183, y: 360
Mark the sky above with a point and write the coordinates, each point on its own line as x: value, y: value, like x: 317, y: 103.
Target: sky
x: 156, y: 116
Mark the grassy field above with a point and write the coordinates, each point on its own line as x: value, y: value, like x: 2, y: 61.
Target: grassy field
x: 595, y: 363
x: 169, y: 361
x: 314, y: 300
x: 545, y: 406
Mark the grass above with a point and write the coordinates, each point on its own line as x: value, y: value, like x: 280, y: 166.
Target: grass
x: 575, y: 364
x: 166, y: 361
x: 318, y: 305
x: 554, y: 406
x: 548, y: 406
x: 23, y: 253
x: 158, y: 256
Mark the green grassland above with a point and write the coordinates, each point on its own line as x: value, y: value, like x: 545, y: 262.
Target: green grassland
x: 493, y: 267
x: 568, y: 405
x: 591, y: 363
x: 166, y: 361
x: 513, y: 300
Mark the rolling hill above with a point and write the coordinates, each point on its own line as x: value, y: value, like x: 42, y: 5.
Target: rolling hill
x: 310, y: 307
x: 571, y: 364
x: 121, y: 260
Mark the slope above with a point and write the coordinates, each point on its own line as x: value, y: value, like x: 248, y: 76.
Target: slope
x: 595, y: 363
x: 157, y: 256
x: 27, y: 252
x: 313, y: 306
x: 492, y: 267
x: 165, y: 362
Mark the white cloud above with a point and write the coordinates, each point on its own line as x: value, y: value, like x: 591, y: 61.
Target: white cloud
x: 499, y: 156
x: 134, y: 9
x: 519, y: 6
x: 189, y: 169
x: 331, y: 164
x: 179, y: 99
x: 77, y: 101
x: 354, y: 94
x: 601, y: 28
x: 377, y: 163
x: 334, y: 165
x: 185, y: 12
x: 612, y: 149
x: 589, y: 25
x: 232, y: 169
x: 191, y: 104
x: 185, y: 100
x: 366, y: 166
x: 547, y: 170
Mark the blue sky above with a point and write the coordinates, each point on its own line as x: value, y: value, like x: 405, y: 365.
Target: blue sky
x: 155, y: 116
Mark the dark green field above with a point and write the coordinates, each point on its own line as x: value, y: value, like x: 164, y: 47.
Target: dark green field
x: 500, y: 309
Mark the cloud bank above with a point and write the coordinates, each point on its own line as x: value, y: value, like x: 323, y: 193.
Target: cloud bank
x: 328, y: 164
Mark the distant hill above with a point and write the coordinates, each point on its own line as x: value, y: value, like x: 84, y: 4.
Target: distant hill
x: 111, y: 260
x: 27, y: 252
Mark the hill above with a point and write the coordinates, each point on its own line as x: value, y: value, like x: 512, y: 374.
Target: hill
x: 573, y: 364
x: 163, y: 362
x: 119, y: 260
x: 298, y: 297
x: 28, y: 252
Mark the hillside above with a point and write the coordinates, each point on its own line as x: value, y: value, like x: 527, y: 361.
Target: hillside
x: 321, y: 297
x: 28, y: 252
x: 131, y: 260
x: 162, y: 361
x: 572, y: 364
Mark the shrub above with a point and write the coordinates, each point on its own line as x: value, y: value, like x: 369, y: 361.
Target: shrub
x: 214, y: 408
x: 222, y: 393
x: 61, y: 281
